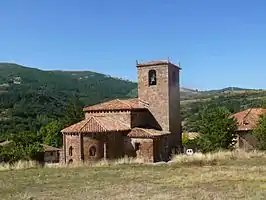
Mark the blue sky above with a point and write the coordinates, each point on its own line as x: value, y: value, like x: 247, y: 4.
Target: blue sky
x: 219, y: 43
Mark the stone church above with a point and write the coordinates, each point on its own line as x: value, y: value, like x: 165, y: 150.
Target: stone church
x: 147, y: 127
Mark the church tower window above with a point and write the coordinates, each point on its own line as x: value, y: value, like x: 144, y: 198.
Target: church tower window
x: 152, y: 77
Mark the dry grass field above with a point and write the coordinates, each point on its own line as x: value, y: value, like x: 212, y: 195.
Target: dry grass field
x: 224, y: 175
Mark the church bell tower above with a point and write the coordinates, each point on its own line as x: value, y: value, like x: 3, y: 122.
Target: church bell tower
x: 158, y: 84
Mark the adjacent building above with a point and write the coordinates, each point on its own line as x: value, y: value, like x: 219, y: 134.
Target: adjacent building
x: 51, y: 154
x: 147, y: 127
x: 247, y: 121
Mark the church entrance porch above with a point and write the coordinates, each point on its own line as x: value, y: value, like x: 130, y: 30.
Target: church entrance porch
x: 100, y: 146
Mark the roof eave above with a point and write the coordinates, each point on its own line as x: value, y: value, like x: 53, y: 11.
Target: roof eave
x: 91, y: 132
x: 105, y: 110
x: 146, y: 136
x: 156, y: 64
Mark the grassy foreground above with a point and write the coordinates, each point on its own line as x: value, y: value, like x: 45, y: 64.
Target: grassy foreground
x: 224, y: 175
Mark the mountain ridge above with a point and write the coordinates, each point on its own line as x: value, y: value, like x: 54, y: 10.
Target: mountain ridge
x: 186, y: 92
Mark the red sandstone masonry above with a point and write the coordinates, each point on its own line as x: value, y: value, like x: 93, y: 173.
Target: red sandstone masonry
x: 157, y: 107
x: 74, y: 141
x: 123, y: 116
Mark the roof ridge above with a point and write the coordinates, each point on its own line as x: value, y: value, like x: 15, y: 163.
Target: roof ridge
x: 88, y: 120
x: 99, y: 103
x: 147, y: 131
x: 142, y: 101
x: 124, y: 103
x: 94, y: 117
x: 118, y: 104
x: 144, y: 129
x: 244, y: 118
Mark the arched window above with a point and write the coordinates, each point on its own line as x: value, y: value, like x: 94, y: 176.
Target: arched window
x: 92, y: 151
x: 152, y: 77
x: 70, y: 151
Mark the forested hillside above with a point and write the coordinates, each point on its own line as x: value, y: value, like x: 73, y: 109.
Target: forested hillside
x: 30, y: 98
x: 191, y: 109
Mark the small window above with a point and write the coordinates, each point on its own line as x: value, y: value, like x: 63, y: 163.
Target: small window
x: 152, y: 77
x: 70, y: 151
x: 51, y: 153
x: 92, y: 151
x: 137, y: 146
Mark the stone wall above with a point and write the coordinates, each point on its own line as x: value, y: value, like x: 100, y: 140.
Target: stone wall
x: 163, y: 98
x: 246, y: 141
x: 89, y: 143
x: 90, y: 147
x: 51, y: 156
x: 140, y: 148
x: 143, y: 119
x: 113, y: 143
x: 61, y: 156
x: 74, y: 142
x: 174, y: 106
x: 156, y: 95
x: 162, y: 148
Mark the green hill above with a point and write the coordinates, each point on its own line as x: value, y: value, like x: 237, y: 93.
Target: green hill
x: 30, y: 97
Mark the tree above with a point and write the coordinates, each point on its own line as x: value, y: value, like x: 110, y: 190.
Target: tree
x: 260, y: 133
x: 73, y: 112
x: 50, y: 133
x: 217, y: 130
x: 22, y: 146
x: 186, y: 141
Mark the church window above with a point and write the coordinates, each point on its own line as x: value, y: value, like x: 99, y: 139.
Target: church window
x: 70, y: 151
x: 92, y: 151
x: 152, y: 77
x: 137, y: 146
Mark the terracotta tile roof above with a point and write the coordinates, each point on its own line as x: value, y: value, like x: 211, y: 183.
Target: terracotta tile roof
x: 96, y: 124
x: 147, y: 133
x: 248, y: 119
x: 155, y: 62
x: 118, y: 104
x: 49, y: 148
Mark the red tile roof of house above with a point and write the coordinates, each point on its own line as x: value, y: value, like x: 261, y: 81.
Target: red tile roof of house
x: 147, y: 133
x: 155, y: 62
x: 45, y: 146
x: 118, y: 104
x: 49, y: 148
x: 248, y: 119
x: 96, y: 124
